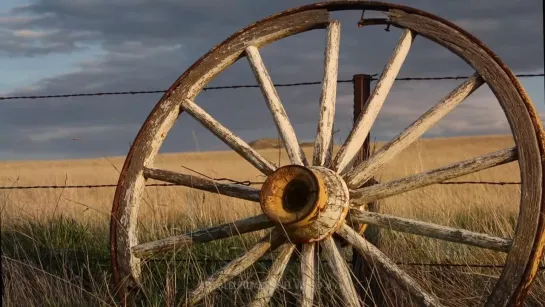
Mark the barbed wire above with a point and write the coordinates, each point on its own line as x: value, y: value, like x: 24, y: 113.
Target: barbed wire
x: 246, y: 183
x: 90, y: 186
x: 480, y: 182
x: 373, y: 77
x: 83, y: 258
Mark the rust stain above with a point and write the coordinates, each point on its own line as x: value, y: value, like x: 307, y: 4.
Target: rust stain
x: 273, y: 196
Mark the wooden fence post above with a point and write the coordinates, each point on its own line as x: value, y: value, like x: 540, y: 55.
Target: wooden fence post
x: 369, y: 287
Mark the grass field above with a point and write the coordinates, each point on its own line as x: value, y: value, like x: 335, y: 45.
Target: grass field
x: 54, y: 241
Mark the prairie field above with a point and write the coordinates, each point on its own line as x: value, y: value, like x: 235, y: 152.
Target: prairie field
x: 55, y: 241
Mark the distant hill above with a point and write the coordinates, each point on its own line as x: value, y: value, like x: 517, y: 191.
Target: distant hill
x: 272, y: 143
x: 265, y: 143
x: 268, y: 143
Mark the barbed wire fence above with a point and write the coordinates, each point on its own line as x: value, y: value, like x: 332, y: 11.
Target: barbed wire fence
x: 83, y: 258
x: 240, y: 86
x: 248, y: 183
x: 373, y: 78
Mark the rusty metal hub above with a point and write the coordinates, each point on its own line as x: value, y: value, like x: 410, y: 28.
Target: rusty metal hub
x: 309, y: 203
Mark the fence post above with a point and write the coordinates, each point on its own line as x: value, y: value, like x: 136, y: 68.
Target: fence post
x: 364, y: 273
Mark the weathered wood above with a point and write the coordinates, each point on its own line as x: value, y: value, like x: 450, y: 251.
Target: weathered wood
x: 388, y: 267
x: 267, y: 288
x: 131, y: 183
x: 235, y: 267
x: 233, y: 190
x: 226, y: 230
x: 362, y: 196
x: 348, y: 152
x: 308, y: 276
x: 329, y: 211
x: 341, y: 271
x: 324, y: 138
x: 228, y: 137
x: 526, y: 126
x: 293, y: 149
x: 367, y: 169
x: 431, y: 230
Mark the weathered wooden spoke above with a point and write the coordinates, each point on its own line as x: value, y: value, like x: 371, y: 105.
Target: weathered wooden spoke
x: 233, y: 190
x: 348, y: 152
x: 372, y: 193
x: 324, y: 140
x: 368, y: 168
x: 308, y: 276
x: 431, y: 230
x: 235, y: 267
x: 226, y: 230
x: 340, y: 270
x: 228, y: 137
x: 293, y: 149
x: 267, y: 288
x: 388, y: 267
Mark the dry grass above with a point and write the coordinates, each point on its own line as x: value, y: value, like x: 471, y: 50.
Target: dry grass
x: 36, y: 222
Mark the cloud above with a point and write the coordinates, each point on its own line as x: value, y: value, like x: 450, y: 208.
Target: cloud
x: 25, y: 33
x: 72, y: 133
x: 146, y: 45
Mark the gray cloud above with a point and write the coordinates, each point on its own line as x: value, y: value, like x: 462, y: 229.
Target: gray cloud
x: 148, y: 45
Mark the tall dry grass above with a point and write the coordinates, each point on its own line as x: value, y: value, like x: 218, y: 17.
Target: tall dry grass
x: 55, y: 250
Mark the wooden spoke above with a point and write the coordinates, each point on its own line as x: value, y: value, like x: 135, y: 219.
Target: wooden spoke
x: 276, y: 271
x: 431, y: 230
x: 293, y: 149
x: 375, y: 256
x: 308, y: 276
x: 235, y: 267
x: 356, y: 138
x: 372, y: 193
x: 340, y: 270
x: 228, y: 137
x: 234, y: 190
x: 367, y: 169
x: 324, y: 139
x: 226, y: 230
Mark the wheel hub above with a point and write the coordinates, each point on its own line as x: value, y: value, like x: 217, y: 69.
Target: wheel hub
x: 308, y: 203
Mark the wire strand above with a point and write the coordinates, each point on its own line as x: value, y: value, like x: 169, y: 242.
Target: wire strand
x: 83, y: 257
x: 373, y: 77
x: 246, y: 183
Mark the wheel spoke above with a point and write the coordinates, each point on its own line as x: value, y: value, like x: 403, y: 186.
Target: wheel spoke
x: 324, y: 140
x: 226, y: 230
x: 293, y: 149
x: 356, y: 138
x: 340, y: 270
x: 228, y: 137
x: 372, y: 193
x: 267, y: 288
x: 431, y: 230
x: 235, y: 267
x: 234, y: 190
x: 308, y: 276
x: 375, y: 256
x: 367, y: 169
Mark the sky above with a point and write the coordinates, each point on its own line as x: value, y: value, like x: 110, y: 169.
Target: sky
x: 80, y: 46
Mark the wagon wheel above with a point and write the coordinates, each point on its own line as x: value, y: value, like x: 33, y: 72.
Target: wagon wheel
x: 309, y: 201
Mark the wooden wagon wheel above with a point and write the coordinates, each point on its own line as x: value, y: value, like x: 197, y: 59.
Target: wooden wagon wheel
x: 309, y: 201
